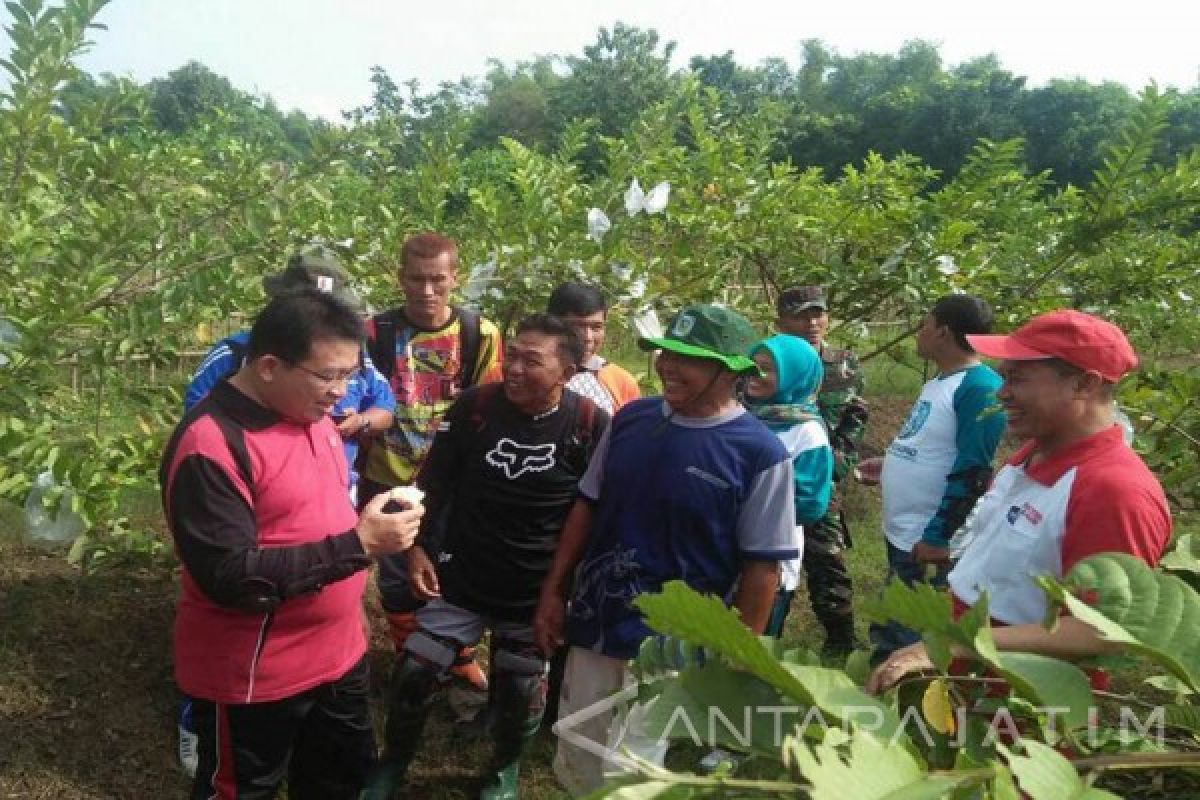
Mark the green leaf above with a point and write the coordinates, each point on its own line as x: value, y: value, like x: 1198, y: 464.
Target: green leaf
x: 1044, y: 774
x: 78, y: 549
x: 858, y: 666
x: 1003, y: 787
x: 1183, y: 716
x: 1042, y: 680
x: 920, y: 607
x: 714, y: 705
x: 870, y: 770
x: 1166, y: 683
x: 1184, y: 556
x: 704, y: 620
x: 1049, y: 682
x: 1150, y: 613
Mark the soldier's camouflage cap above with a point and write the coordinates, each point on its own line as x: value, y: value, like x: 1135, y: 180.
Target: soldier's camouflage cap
x: 315, y: 270
x: 801, y: 298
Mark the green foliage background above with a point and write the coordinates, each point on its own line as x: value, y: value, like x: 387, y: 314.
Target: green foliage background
x: 135, y: 221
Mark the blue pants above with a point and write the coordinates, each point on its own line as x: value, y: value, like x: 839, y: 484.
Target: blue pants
x: 888, y: 637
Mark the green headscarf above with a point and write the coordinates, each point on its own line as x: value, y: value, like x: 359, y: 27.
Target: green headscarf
x: 799, y: 374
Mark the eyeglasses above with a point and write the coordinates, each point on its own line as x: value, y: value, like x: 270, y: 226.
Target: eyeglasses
x: 344, y: 376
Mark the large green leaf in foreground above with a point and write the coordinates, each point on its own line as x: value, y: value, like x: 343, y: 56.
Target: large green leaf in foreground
x: 1044, y: 681
x: 1150, y: 613
x: 681, y: 612
x: 1044, y: 774
x: 870, y: 770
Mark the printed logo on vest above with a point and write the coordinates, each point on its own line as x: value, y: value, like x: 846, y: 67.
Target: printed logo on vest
x: 1027, y: 511
x: 517, y: 459
x: 916, y: 420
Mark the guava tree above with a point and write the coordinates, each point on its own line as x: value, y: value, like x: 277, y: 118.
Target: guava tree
x: 125, y: 244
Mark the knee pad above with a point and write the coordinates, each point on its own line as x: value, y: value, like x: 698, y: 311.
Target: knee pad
x: 435, y: 652
x: 519, y: 658
x: 423, y: 661
x: 519, y: 676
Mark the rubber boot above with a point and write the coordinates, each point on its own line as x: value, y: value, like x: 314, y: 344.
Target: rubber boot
x: 518, y: 700
x: 410, y: 694
x: 501, y: 784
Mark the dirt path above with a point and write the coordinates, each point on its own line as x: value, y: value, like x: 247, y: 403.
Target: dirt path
x: 85, y: 684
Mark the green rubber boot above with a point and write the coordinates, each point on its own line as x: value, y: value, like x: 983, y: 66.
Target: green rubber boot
x: 501, y: 784
x: 385, y: 781
x: 410, y: 692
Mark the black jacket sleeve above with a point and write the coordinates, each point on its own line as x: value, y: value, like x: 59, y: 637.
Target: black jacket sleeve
x: 216, y: 537
x: 441, y: 470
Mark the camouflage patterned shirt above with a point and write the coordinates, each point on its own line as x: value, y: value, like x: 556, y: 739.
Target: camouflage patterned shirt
x: 843, y: 406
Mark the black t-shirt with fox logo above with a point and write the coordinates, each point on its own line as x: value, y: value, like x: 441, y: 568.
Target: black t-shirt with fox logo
x: 498, y: 485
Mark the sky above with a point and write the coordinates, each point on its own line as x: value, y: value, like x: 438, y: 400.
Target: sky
x: 316, y: 55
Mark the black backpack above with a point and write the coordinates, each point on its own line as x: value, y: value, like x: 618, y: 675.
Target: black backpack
x: 382, y: 348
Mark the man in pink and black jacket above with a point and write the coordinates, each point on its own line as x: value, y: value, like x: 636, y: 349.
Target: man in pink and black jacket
x: 269, y: 637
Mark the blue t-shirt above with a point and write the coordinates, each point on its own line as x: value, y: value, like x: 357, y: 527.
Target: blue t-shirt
x: 676, y: 498
x: 368, y: 389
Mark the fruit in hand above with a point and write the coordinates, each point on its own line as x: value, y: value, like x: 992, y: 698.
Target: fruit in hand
x: 407, y: 496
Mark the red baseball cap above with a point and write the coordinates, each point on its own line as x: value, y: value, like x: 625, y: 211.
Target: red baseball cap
x: 1084, y: 341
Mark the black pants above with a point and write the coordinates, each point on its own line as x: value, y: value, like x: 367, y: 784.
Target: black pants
x: 320, y: 740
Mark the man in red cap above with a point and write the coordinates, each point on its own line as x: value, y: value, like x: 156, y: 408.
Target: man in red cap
x: 1072, y: 490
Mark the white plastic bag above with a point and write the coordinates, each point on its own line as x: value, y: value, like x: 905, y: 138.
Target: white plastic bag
x: 598, y: 224
x: 50, y: 527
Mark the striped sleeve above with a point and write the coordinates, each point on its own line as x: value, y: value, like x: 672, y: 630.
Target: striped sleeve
x: 766, y: 528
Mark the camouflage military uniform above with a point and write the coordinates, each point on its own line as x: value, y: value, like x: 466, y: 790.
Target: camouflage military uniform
x: 844, y: 408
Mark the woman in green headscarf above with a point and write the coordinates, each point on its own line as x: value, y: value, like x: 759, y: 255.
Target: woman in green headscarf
x: 784, y: 397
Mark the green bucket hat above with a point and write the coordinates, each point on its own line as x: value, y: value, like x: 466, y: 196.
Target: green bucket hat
x: 707, y: 331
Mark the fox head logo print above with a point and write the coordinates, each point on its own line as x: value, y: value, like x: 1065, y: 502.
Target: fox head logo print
x: 517, y: 459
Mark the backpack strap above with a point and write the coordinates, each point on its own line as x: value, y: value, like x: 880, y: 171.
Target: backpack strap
x: 581, y: 436
x: 382, y: 346
x: 585, y: 420
x: 469, y: 334
x: 483, y: 397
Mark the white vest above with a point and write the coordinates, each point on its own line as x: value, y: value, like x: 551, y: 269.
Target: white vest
x: 797, y: 439
x: 1015, y: 533
x: 918, y: 461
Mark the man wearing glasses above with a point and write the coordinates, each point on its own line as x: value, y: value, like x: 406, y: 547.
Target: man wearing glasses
x: 269, y: 641
x: 365, y: 408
